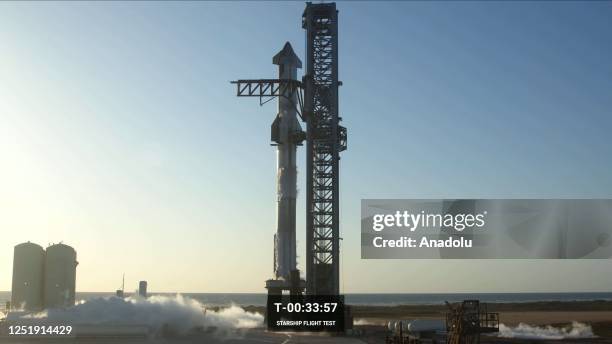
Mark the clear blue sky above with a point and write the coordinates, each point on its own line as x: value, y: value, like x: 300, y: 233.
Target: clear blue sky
x: 121, y: 135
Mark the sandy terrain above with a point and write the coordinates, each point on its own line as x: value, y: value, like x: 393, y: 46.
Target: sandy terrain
x: 513, y: 318
x: 555, y: 317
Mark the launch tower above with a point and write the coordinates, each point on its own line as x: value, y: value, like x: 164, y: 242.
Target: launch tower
x: 315, y: 101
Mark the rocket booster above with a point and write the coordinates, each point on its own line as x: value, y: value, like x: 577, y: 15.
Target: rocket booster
x: 287, y: 133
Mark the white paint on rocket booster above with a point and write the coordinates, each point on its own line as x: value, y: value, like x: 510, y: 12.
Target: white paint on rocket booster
x: 287, y: 133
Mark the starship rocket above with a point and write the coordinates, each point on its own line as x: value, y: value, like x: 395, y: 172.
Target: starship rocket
x: 287, y: 133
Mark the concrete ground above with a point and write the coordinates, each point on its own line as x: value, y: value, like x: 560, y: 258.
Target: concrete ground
x: 255, y: 336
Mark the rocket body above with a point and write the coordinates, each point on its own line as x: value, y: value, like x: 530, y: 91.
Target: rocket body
x: 287, y: 133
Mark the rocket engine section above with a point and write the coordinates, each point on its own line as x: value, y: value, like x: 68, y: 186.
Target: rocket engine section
x: 287, y: 133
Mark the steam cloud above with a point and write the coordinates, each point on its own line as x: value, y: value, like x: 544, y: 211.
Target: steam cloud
x: 524, y: 331
x: 178, y: 314
x: 364, y: 322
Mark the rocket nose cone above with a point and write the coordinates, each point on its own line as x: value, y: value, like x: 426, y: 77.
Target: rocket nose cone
x: 287, y: 56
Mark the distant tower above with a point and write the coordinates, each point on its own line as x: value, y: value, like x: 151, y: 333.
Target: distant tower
x: 60, y: 276
x: 142, y: 289
x: 121, y: 292
x: 28, y: 272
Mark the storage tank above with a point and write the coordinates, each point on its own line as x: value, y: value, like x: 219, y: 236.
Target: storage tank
x: 417, y: 325
x: 60, y: 276
x: 28, y: 277
x: 425, y: 325
x: 142, y: 289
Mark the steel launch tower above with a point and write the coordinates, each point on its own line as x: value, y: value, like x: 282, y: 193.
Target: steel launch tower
x: 315, y: 100
x: 325, y: 140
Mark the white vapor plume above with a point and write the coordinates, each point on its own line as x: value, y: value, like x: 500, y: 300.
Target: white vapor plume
x: 524, y: 331
x: 177, y: 314
x: 364, y: 322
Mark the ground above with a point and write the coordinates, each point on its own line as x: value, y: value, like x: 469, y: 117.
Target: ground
x: 371, y: 328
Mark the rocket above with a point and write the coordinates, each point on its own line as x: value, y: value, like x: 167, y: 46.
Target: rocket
x: 287, y: 133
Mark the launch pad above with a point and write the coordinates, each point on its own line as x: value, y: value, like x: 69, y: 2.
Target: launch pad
x: 314, y: 100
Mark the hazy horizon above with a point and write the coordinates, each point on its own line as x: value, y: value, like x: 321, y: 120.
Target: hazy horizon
x: 121, y: 136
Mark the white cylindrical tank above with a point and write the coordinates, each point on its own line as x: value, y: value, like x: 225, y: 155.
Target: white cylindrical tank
x: 60, y: 276
x: 28, y: 277
x: 425, y: 325
x: 417, y: 325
